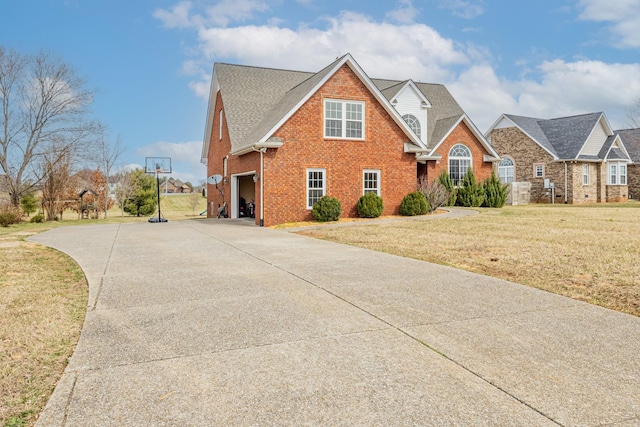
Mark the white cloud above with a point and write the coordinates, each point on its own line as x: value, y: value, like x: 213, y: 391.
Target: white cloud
x: 404, y: 14
x: 227, y: 11
x: 624, y: 16
x: 185, y: 158
x: 463, y: 8
x: 177, y: 17
x: 414, y: 50
x: 383, y: 49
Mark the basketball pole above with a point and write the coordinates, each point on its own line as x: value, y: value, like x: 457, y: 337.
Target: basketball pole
x: 158, y: 183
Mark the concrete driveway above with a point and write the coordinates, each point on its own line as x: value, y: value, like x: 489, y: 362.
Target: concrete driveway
x: 221, y: 323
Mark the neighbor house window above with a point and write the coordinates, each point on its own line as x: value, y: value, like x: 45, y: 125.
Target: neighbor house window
x: 617, y: 173
x: 343, y: 119
x: 538, y: 171
x: 316, y: 186
x: 413, y: 123
x: 585, y: 174
x: 459, y: 163
x: 220, y: 125
x: 505, y: 170
x: 371, y: 181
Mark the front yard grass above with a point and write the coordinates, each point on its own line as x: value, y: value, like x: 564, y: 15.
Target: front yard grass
x: 43, y: 299
x: 590, y: 253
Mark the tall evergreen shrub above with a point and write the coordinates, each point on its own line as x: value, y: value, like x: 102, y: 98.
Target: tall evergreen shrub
x: 446, y: 181
x: 495, y: 192
x: 470, y: 194
x: 370, y: 206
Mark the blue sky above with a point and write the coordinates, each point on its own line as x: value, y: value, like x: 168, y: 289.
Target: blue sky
x: 150, y: 61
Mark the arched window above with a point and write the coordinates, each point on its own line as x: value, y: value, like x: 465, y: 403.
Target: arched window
x: 413, y: 123
x: 459, y: 163
x: 506, y: 170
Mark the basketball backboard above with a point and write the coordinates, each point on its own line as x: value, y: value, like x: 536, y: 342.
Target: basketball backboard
x: 157, y: 164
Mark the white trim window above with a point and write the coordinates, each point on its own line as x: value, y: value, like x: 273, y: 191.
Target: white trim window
x: 585, y: 174
x: 343, y: 119
x: 459, y: 163
x: 371, y: 181
x: 617, y: 173
x: 538, y: 170
x: 220, y: 126
x: 316, y: 185
x: 506, y: 170
x: 413, y: 123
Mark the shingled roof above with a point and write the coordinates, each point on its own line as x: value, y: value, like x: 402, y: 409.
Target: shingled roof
x: 631, y: 140
x: 257, y: 100
x: 564, y: 137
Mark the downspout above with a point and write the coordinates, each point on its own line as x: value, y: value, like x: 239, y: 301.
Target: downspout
x: 262, y: 151
x: 565, y: 183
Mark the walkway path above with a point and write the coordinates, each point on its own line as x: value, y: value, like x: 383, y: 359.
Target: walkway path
x: 221, y: 323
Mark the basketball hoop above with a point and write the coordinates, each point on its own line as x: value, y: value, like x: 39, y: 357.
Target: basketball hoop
x: 157, y: 165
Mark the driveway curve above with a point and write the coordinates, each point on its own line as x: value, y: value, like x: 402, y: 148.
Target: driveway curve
x: 219, y: 322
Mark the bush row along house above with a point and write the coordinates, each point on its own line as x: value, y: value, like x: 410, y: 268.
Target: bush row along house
x: 286, y: 138
x: 580, y: 156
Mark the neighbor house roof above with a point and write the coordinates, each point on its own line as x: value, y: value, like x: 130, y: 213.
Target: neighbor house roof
x: 565, y: 137
x: 257, y: 101
x: 631, y: 140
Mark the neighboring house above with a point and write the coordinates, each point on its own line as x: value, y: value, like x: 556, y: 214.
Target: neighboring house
x: 286, y: 138
x: 631, y: 140
x: 174, y: 186
x: 580, y: 156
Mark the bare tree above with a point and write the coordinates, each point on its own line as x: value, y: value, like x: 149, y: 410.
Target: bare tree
x: 58, y: 185
x: 125, y: 188
x: 633, y: 115
x: 194, y: 200
x: 44, y: 104
x: 108, y: 155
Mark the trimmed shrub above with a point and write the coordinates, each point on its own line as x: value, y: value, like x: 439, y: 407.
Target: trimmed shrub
x: 470, y: 194
x: 414, y: 204
x: 370, y: 206
x: 327, y: 209
x: 435, y: 193
x: 446, y: 181
x: 495, y: 192
x: 37, y: 218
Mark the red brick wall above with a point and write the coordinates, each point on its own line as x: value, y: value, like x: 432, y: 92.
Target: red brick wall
x: 218, y: 150
x: 461, y: 134
x: 344, y: 160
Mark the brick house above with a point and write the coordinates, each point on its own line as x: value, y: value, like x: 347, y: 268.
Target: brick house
x: 285, y: 138
x: 581, y: 156
x: 631, y: 140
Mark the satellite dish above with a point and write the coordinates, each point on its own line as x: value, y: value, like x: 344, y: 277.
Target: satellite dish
x: 214, y: 179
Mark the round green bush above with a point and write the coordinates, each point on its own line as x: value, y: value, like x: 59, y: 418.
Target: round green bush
x: 37, y: 218
x: 327, y: 209
x: 414, y: 204
x: 370, y: 206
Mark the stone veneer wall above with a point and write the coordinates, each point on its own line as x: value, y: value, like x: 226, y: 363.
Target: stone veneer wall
x: 633, y: 178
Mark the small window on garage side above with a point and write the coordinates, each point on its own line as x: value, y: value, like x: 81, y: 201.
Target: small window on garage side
x: 316, y: 186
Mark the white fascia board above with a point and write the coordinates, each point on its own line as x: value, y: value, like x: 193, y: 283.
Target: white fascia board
x: 410, y: 83
x: 620, y: 145
x: 607, y: 129
x: 555, y: 158
x: 410, y: 147
x: 206, y: 141
x: 348, y: 59
x: 424, y: 157
x: 474, y: 130
x: 502, y: 116
x: 257, y: 146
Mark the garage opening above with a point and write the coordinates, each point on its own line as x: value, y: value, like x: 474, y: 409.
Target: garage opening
x: 246, y: 197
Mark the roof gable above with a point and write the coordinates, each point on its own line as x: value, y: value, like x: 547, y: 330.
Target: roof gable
x: 631, y: 141
x: 444, y: 127
x: 580, y: 137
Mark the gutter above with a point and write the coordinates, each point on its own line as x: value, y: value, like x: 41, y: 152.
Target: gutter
x: 565, y: 182
x: 257, y: 147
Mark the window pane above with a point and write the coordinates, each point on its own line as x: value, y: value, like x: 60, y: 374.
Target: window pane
x: 333, y: 128
x: 371, y: 182
x: 354, y: 111
x: 623, y: 174
x: 354, y: 129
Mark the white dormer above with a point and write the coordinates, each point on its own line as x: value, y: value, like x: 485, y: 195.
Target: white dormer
x: 412, y: 106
